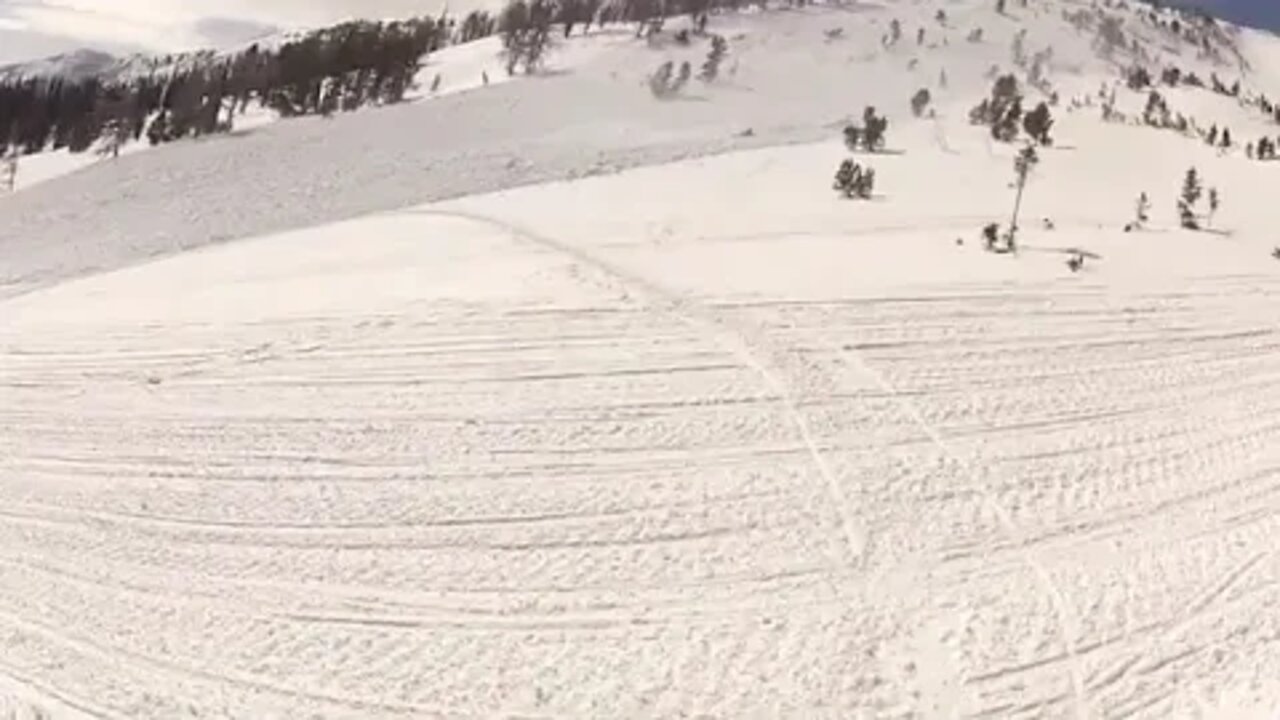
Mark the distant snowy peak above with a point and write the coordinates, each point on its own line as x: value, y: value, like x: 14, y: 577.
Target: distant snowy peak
x: 87, y: 63
x: 74, y: 65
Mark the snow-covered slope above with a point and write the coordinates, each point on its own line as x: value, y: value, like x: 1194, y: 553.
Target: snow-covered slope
x: 697, y: 439
x: 591, y: 113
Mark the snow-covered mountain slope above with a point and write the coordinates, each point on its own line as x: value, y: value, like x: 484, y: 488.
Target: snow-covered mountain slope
x: 1251, y: 12
x: 697, y: 439
x: 74, y: 66
x: 784, y: 82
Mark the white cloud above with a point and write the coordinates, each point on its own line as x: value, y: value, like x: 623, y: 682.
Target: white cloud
x: 176, y: 24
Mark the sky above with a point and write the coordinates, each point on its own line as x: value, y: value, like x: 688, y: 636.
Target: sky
x: 36, y: 28
x: 45, y: 26
x: 1261, y: 13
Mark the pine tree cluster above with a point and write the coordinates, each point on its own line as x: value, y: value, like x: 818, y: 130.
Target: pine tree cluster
x: 855, y: 181
x: 1216, y: 138
x: 1266, y: 149
x: 338, y: 68
x: 329, y: 70
x: 869, y: 137
x: 711, y: 66
x: 1002, y: 112
x: 525, y: 28
x: 665, y: 82
x: 1137, y: 78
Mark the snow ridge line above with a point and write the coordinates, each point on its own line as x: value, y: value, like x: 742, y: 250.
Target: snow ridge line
x: 852, y: 536
x: 1066, y: 620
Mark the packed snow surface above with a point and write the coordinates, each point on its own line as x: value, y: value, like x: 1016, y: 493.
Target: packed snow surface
x: 697, y: 439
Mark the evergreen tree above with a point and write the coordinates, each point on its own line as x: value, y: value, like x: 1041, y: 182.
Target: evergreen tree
x: 682, y: 79
x: 852, y: 137
x: 845, y: 176
x: 1138, y: 78
x: 1005, y: 129
x: 526, y: 33
x: 711, y: 66
x: 854, y: 181
x: 1038, y: 123
x: 920, y: 101
x: 1002, y: 111
x: 1266, y: 149
x: 991, y: 236
x: 866, y: 184
x: 1191, y: 192
x: 1156, y: 113
x: 661, y: 80
x: 873, y: 134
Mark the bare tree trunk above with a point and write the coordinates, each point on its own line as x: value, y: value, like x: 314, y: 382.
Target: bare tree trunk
x: 1017, y: 208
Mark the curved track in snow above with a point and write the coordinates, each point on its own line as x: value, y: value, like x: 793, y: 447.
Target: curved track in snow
x: 545, y: 498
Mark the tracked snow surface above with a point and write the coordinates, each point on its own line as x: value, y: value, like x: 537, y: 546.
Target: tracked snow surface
x: 551, y: 399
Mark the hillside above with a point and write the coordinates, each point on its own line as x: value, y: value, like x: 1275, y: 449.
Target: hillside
x: 588, y: 114
x: 551, y: 398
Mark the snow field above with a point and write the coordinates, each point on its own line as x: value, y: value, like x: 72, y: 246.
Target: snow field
x: 698, y: 439
x: 658, y: 456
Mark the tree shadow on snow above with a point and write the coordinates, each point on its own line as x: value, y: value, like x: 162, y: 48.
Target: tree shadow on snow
x: 1062, y: 251
x: 551, y: 73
